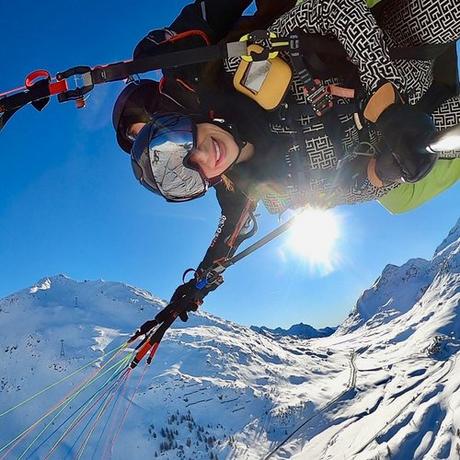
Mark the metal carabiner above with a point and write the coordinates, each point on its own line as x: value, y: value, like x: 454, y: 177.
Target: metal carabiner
x: 82, y: 82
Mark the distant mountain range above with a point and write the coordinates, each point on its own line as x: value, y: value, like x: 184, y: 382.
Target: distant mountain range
x: 301, y: 330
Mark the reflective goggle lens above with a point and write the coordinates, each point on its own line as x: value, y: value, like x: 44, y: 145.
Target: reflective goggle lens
x: 161, y: 151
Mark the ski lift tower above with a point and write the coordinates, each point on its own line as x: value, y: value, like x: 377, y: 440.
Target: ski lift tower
x: 62, y: 348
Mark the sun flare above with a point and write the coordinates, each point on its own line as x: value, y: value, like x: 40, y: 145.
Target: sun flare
x: 315, y: 237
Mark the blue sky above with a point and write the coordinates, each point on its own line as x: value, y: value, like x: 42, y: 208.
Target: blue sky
x: 69, y: 203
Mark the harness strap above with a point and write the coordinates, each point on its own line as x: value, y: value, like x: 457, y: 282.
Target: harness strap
x: 434, y: 97
x: 84, y: 77
x: 340, y: 109
x: 318, y: 96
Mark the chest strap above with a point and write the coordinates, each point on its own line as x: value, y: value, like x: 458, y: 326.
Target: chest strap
x: 317, y: 96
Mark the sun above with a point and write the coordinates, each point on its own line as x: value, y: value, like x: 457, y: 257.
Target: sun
x: 315, y: 237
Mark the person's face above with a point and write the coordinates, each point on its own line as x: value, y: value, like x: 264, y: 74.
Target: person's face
x: 216, y: 150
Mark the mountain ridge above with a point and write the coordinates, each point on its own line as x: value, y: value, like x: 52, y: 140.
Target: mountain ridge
x: 385, y: 384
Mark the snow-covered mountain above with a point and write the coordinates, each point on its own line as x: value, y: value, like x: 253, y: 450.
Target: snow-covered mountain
x: 211, y: 379
x: 385, y: 385
x: 301, y: 331
x: 398, y: 288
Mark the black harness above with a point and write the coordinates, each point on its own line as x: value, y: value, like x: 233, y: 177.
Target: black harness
x: 305, y: 52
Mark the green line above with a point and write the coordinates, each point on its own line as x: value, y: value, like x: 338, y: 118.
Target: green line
x: 121, y: 363
x: 59, y: 381
x: 65, y: 400
x: 118, y: 365
x: 101, y: 412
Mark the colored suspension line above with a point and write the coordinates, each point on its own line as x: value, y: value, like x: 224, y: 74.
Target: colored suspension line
x: 81, y: 369
x: 76, y: 411
x: 68, y: 398
x: 113, y: 424
x: 106, y: 424
x: 102, y: 399
x: 130, y: 402
x: 109, y: 444
x: 122, y: 382
x: 60, y: 411
x: 64, y: 403
x: 115, y: 375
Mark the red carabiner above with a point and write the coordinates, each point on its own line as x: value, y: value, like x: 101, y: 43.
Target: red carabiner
x: 36, y: 75
x: 56, y: 87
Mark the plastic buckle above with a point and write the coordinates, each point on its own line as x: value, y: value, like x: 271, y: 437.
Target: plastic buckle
x: 83, y: 84
x: 213, y: 275
x: 268, y: 40
x: 318, y: 97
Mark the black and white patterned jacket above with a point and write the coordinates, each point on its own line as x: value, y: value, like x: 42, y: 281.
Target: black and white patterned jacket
x: 403, y: 23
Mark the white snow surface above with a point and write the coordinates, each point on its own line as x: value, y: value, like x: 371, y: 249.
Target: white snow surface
x: 385, y: 385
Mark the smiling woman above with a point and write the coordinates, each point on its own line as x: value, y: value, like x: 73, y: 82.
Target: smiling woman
x: 74, y: 207
x: 216, y: 150
x: 315, y: 237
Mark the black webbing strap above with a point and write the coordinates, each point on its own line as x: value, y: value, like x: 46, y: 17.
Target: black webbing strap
x: 339, y: 109
x: 318, y: 97
x: 122, y: 70
x: 40, y: 91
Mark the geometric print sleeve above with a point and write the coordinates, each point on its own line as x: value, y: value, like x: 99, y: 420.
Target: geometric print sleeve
x: 351, y: 22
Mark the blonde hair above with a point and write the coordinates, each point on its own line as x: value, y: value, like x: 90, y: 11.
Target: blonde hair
x: 229, y: 185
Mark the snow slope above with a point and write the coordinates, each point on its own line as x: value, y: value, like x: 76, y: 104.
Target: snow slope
x: 210, y: 374
x: 399, y: 288
x: 406, y: 402
x: 385, y: 385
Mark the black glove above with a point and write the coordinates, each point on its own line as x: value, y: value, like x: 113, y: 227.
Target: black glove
x: 190, y: 297
x: 402, y: 155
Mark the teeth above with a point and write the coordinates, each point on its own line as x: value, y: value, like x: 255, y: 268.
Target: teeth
x: 216, y: 146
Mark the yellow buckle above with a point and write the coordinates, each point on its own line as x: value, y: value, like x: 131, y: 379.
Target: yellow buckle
x: 271, y: 54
